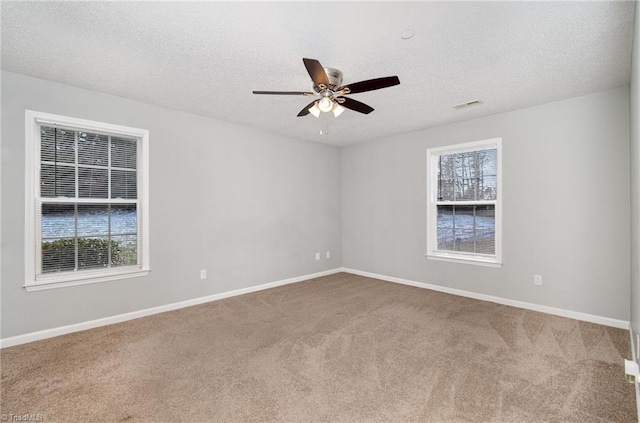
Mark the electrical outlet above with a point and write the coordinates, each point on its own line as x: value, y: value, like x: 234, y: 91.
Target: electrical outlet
x: 203, y: 274
x: 328, y: 254
x: 317, y: 256
x: 537, y: 279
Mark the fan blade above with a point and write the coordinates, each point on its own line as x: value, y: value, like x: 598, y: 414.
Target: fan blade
x: 371, y: 84
x: 284, y: 92
x: 356, y: 105
x: 306, y: 111
x: 316, y: 72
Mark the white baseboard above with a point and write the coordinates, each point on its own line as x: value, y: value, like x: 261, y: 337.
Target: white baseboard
x: 62, y: 330
x: 622, y: 324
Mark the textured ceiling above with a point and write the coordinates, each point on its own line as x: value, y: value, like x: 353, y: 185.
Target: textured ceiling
x: 207, y: 57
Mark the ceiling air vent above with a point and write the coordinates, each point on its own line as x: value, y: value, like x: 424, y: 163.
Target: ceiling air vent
x: 468, y: 104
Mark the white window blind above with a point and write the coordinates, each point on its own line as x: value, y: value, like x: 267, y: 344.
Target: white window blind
x: 88, y: 201
x: 464, y: 207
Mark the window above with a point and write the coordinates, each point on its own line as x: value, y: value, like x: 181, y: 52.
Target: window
x: 86, y: 201
x: 464, y: 203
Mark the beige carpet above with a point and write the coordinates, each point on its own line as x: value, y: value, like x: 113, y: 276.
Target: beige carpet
x: 342, y: 348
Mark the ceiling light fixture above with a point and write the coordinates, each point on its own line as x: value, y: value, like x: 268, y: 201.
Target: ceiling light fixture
x: 315, y: 110
x: 325, y: 104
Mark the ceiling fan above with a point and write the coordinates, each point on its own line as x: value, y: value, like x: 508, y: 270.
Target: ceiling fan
x: 330, y: 93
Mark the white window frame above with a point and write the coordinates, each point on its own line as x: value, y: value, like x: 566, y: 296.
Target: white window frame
x: 432, y: 210
x: 34, y: 282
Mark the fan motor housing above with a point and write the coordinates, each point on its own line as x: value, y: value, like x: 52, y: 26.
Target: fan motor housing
x: 335, y: 77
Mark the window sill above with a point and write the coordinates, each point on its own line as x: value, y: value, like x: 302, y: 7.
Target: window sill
x: 83, y: 278
x: 471, y: 259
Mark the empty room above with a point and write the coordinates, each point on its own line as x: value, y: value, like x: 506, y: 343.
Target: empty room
x: 320, y: 211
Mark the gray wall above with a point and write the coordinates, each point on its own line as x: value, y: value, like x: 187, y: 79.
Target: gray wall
x: 254, y: 207
x: 635, y: 176
x: 250, y: 206
x: 565, y: 205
